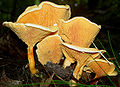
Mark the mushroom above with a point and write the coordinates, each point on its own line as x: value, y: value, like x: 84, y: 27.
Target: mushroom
x: 37, y: 22
x: 30, y: 34
x: 78, y: 31
x: 46, y: 14
x: 101, y: 67
x: 49, y: 49
x: 81, y: 55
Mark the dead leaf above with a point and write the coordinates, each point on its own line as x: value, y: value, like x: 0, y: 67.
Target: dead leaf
x: 5, y: 81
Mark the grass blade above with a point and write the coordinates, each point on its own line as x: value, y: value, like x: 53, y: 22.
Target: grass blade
x: 108, y: 55
x: 109, y: 39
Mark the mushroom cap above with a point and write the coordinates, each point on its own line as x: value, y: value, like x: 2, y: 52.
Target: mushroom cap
x: 70, y: 49
x: 30, y: 33
x: 102, y: 67
x: 46, y: 14
x: 49, y: 49
x: 35, y: 22
x: 81, y: 55
x: 78, y: 31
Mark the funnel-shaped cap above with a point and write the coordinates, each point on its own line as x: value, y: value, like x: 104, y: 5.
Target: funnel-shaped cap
x: 46, y: 14
x: 48, y: 50
x: 78, y: 31
x: 81, y: 55
x: 102, y: 68
x: 30, y: 33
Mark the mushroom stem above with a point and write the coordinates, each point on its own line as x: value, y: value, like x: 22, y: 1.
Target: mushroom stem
x: 76, y: 71
x: 31, y: 60
x: 66, y: 63
x: 68, y: 59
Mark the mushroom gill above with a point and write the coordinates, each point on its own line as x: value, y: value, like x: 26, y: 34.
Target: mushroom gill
x: 78, y: 31
x: 49, y: 49
x: 81, y: 55
x: 46, y: 14
x: 101, y: 67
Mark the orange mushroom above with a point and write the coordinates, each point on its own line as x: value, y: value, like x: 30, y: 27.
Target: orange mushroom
x: 49, y: 49
x: 78, y: 31
x: 81, y: 55
x: 37, y: 22
x: 46, y: 14
x: 101, y: 67
x: 30, y: 34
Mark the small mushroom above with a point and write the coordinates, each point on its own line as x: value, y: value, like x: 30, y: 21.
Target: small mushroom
x: 49, y: 49
x: 78, y: 31
x: 37, y: 22
x: 101, y: 67
x: 81, y: 55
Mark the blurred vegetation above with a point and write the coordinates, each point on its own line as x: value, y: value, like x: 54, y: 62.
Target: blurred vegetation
x: 103, y: 12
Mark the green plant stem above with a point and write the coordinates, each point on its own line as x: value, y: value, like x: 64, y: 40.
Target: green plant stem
x: 61, y: 82
x: 103, y: 48
x: 112, y: 50
x: 108, y: 54
x: 104, y: 72
x: 106, y: 75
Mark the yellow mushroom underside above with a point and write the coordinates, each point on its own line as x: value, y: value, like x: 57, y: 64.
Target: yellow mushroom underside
x: 46, y: 14
x: 48, y: 50
x: 78, y: 31
x: 102, y: 67
x: 81, y: 55
x: 30, y: 34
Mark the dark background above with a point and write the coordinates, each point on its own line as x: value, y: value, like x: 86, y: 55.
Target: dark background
x: 13, y: 52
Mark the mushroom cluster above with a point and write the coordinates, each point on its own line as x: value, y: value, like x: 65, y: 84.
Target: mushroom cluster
x: 48, y: 25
